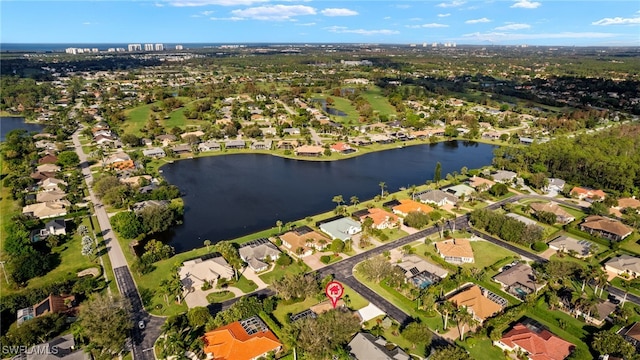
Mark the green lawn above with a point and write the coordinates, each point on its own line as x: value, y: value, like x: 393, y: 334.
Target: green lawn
x: 137, y: 118
x: 285, y: 309
x: 219, y: 296
x: 397, y: 339
x: 354, y: 300
x: 485, y: 253
x: 631, y: 243
x: 278, y: 272
x: 378, y: 101
x: 345, y: 106
x: 245, y: 285
x: 481, y: 349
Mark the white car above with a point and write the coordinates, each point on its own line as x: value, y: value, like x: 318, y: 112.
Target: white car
x: 141, y: 324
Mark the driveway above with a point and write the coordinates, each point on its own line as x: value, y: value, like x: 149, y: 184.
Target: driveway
x: 251, y: 275
x: 199, y: 297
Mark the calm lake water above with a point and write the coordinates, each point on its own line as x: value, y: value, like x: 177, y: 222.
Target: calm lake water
x: 235, y: 195
x: 8, y: 124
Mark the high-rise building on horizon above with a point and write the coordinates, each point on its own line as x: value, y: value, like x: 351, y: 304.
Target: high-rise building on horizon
x: 159, y: 47
x: 148, y: 47
x: 179, y: 47
x: 134, y: 47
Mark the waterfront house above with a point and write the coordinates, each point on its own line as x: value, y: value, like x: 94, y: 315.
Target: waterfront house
x: 154, y: 153
x: 342, y: 148
x: 406, y: 206
x: 194, y: 273
x: 210, y: 145
x: 480, y: 183
x: 287, y: 144
x: 459, y: 191
x: 261, y: 145
x: 342, y: 228
x: 181, y: 149
x: 381, y: 219
x: 309, y: 150
x: 235, y: 144
x: 436, y: 197
x: 503, y: 176
x: 302, y: 240
x: 256, y: 252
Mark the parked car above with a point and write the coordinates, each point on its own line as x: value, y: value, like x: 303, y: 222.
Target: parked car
x: 141, y: 324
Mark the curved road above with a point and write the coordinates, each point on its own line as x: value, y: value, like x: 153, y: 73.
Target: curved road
x: 142, y: 339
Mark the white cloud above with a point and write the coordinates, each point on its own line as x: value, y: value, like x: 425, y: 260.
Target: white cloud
x: 444, y: 15
x: 185, y: 3
x: 514, y: 26
x: 87, y: 23
x: 203, y: 14
x: 501, y: 37
x: 306, y: 24
x: 158, y: 4
x: 232, y: 18
x: 386, y: 18
x: 430, y: 26
x: 618, y: 21
x: 454, y: 3
x: 346, y: 30
x: 274, y: 12
x: 477, y: 21
x: 526, y: 4
x: 338, y: 12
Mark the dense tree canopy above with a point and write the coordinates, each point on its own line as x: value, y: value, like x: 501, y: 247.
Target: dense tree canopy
x: 106, y: 322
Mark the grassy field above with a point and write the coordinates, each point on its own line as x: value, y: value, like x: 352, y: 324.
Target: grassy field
x: 378, y: 101
x: 219, y: 296
x: 137, y: 118
x: 631, y: 243
x: 278, y: 272
x: 485, y: 253
x: 481, y: 349
x: 345, y: 106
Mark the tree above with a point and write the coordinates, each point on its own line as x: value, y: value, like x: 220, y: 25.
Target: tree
x: 606, y: 342
x: 375, y: 268
x: 279, y: 225
x: 88, y: 246
x: 354, y: 201
x: 437, y: 175
x: 284, y: 260
x: 296, y: 286
x: 106, y: 322
x: 207, y: 243
x: 417, y: 333
x: 416, y: 219
x: 464, y: 317
x: 156, y: 218
x: 337, y: 246
x: 451, y: 352
x: 230, y: 253
x: 68, y: 159
x: 446, y: 308
x: 127, y: 224
x: 498, y: 189
x: 130, y: 140
x: 323, y: 336
x: 338, y: 200
x: 382, y: 185
x: 198, y: 316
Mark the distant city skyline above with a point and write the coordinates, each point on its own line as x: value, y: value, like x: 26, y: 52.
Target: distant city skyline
x: 508, y: 22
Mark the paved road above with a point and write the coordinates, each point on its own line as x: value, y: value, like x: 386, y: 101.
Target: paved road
x: 141, y: 340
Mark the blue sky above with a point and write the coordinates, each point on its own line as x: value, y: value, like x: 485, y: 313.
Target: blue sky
x: 533, y: 22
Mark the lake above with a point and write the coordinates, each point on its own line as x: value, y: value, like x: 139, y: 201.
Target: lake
x: 7, y: 124
x: 234, y: 195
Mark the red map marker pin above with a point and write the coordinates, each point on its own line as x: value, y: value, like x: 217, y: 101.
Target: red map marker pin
x: 334, y: 291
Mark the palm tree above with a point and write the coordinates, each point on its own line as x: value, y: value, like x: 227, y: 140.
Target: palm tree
x: 354, y: 201
x: 445, y: 308
x: 600, y: 279
x: 338, y: 200
x: 207, y: 243
x: 382, y: 185
x: 464, y: 317
x: 279, y: 225
x: 412, y: 191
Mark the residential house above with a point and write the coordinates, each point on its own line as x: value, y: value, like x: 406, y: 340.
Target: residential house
x: 51, y: 184
x: 288, y: 144
x: 118, y: 157
x: 48, y: 168
x: 55, y: 227
x: 154, y: 153
x: 104, y: 140
x: 49, y: 196
x: 209, y: 146
x: 455, y: 251
x: 302, y: 240
x: 588, y: 194
x: 421, y: 272
x: 605, y: 227
x: 480, y: 183
x: 491, y: 135
x: 248, y: 339
x: 518, y: 280
x: 134, y: 181
x: 47, y: 210
x: 181, y: 149
x: 261, y: 145
x: 48, y: 159
x: 578, y: 248
x: 256, y: 252
x: 166, y: 139
x: 460, y: 190
x: 555, y: 185
x: 194, y: 273
x: 381, y: 139
x: 598, y: 314
x: 235, y: 144
x: 61, y: 348
x: 309, y: 150
x: 291, y: 131
x: 625, y: 265
x: 632, y: 335
x: 53, y: 304
x: 365, y: 346
x: 536, y: 342
x: 381, y: 219
x: 42, y: 175
x: 625, y: 203
x: 406, y: 206
x: 342, y: 228
x: 137, y: 207
x: 437, y: 197
x: 523, y: 219
x: 342, y: 148
x: 562, y: 216
x: 477, y: 302
x: 503, y: 176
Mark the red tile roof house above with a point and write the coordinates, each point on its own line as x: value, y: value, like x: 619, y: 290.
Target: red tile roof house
x: 584, y: 193
x: 538, y: 344
x: 248, y: 339
x: 342, y: 148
